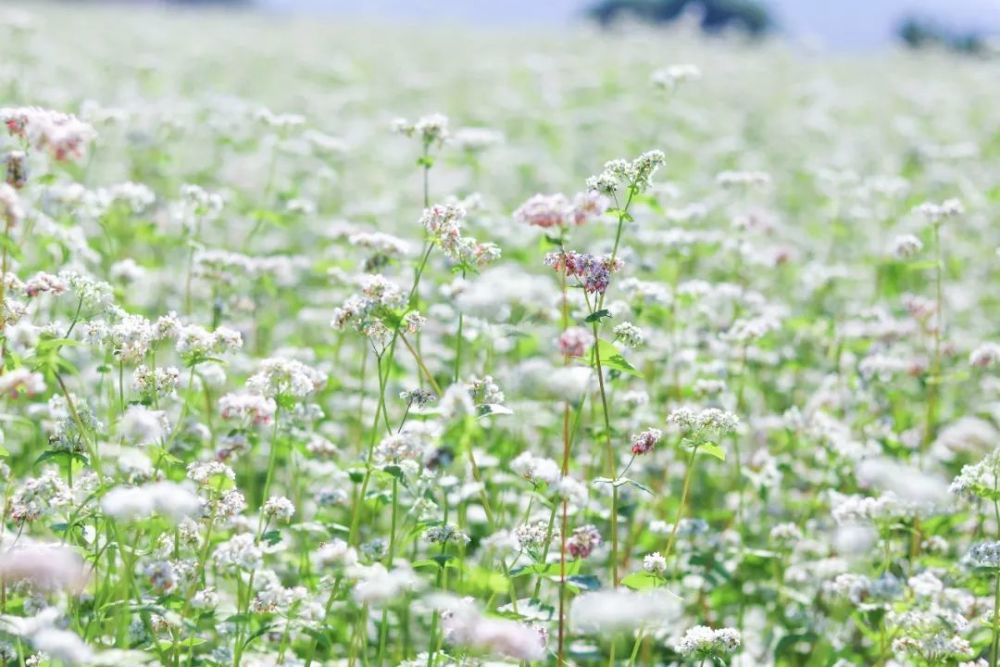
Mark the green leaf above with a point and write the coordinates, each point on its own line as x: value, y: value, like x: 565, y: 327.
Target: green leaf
x: 760, y: 554
x: 161, y: 455
x: 622, y: 481
x: 586, y: 582
x: 393, y: 317
x: 607, y: 349
x: 440, y: 561
x: 186, y: 643
x: 713, y: 450
x: 611, y: 358
x: 48, y: 344
x: 486, y: 409
x: 632, y: 482
x: 922, y: 266
x: 642, y: 581
x: 786, y: 645
x: 488, y: 579
x: 528, y: 608
x: 597, y: 316
x: 620, y: 363
x: 319, y: 635
x: 650, y: 201
x: 258, y: 633
x: 546, y: 569
x: 60, y: 454
x: 444, y: 560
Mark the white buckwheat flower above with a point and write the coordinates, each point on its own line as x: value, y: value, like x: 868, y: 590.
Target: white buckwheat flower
x: 703, y: 641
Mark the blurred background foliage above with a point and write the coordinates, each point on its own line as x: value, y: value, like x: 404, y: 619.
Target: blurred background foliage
x: 749, y: 16
x: 947, y: 25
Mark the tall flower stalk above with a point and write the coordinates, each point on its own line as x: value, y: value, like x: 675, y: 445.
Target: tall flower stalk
x: 936, y: 215
x: 635, y: 177
x: 431, y: 131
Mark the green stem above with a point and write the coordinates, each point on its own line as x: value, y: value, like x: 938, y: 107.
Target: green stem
x: 425, y: 162
x: 76, y: 318
x: 326, y: 613
x: 565, y: 503
x: 684, y: 494
x: 635, y: 648
x: 618, y: 234
x: 610, y: 459
x: 187, y: 281
x: 121, y: 386
x: 395, y: 512
x: 383, y: 630
x: 421, y: 365
x: 84, y: 431
x: 458, y: 344
x: 383, y: 635
x: 356, y: 515
x: 934, y: 379
x: 272, y: 457
x: 382, y: 379
x: 7, y: 242
x: 995, y: 647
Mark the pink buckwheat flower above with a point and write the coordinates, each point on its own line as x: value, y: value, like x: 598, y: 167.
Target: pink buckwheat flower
x: 644, y: 442
x: 583, y: 541
x: 575, y: 341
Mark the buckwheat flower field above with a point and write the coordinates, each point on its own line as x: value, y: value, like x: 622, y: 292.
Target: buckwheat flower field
x: 344, y: 344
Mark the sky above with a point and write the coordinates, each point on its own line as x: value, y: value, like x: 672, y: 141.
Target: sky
x: 839, y: 24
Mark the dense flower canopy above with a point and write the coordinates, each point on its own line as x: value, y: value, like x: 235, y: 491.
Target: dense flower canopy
x: 457, y: 348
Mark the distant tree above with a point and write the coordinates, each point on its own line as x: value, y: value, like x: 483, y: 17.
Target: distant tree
x: 919, y: 32
x: 748, y: 15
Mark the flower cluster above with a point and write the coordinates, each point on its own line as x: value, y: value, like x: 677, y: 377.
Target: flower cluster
x: 583, y: 541
x: 280, y: 377
x: 644, y: 442
x: 592, y: 271
x: 701, y: 641
x: 547, y: 211
x: 247, y: 407
x: 444, y: 227
x: 694, y: 421
x: 635, y: 175
x: 62, y: 135
x: 431, y: 129
x: 370, y: 311
x: 938, y: 213
x: 575, y: 341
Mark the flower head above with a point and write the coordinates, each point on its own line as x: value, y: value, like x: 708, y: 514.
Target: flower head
x: 575, y: 341
x: 635, y: 175
x: 583, y: 541
x: 702, y: 641
x: 644, y: 442
x: 593, y: 272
